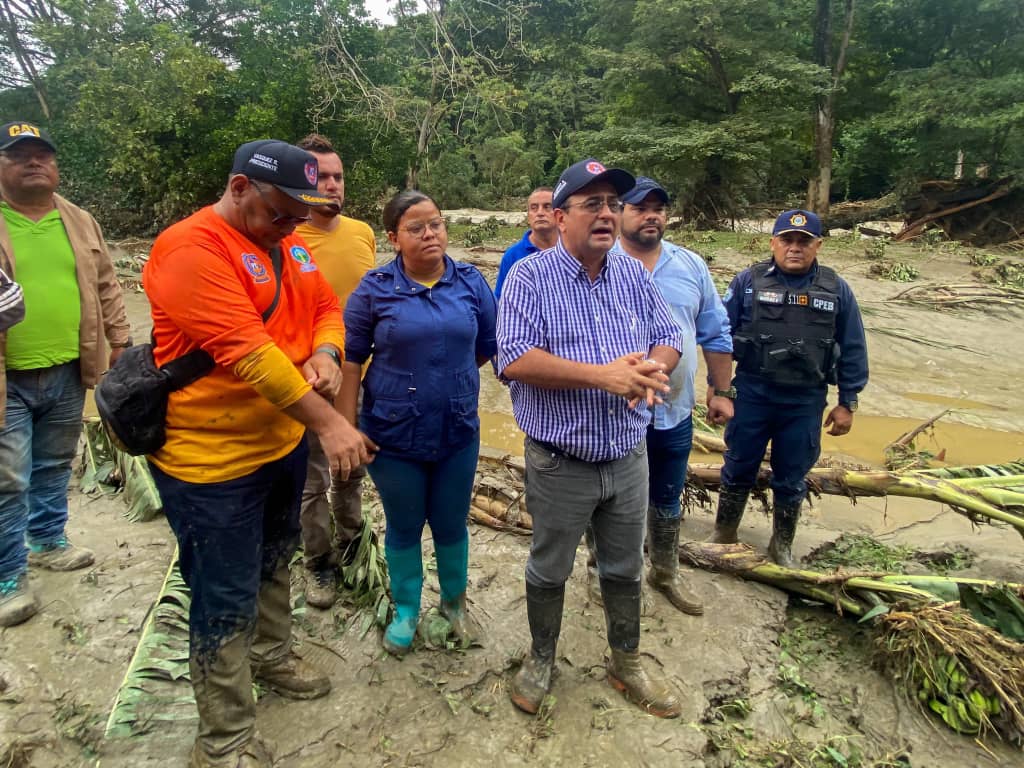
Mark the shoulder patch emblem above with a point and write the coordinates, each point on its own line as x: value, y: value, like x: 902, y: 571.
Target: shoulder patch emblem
x: 305, y: 261
x: 255, y: 267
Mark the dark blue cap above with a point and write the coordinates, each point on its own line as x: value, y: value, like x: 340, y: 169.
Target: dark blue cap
x: 292, y: 170
x: 797, y: 221
x: 12, y: 133
x: 577, y: 176
x: 645, y: 185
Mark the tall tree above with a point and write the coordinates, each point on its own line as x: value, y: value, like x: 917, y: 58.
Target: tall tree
x: 830, y: 53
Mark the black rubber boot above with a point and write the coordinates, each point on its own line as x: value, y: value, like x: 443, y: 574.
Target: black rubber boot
x: 533, y: 680
x: 625, y: 672
x: 663, y: 544
x: 731, y: 503
x: 784, y: 519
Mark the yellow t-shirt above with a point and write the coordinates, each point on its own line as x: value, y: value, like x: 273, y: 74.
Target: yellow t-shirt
x: 344, y: 254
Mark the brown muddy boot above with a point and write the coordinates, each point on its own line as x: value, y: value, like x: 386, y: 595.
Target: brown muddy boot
x: 274, y: 663
x: 663, y: 544
x: 253, y: 754
x: 533, y: 680
x: 62, y: 555
x: 731, y: 503
x: 222, y: 682
x: 321, y: 586
x: 625, y: 672
x: 784, y: 519
x: 593, y: 577
x: 18, y: 603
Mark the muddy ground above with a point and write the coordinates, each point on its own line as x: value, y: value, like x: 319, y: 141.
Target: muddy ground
x: 759, y: 672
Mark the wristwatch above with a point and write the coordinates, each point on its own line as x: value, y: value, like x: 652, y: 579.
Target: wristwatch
x: 332, y: 352
x: 850, y: 404
x: 122, y: 344
x: 730, y: 393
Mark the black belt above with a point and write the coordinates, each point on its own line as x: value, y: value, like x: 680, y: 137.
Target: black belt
x: 554, y: 449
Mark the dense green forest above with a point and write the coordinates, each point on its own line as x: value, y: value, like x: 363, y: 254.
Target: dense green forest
x: 732, y: 103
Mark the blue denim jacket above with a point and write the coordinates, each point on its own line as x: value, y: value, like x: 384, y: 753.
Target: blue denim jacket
x: 421, y: 390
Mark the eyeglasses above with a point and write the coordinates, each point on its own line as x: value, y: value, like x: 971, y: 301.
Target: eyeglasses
x: 279, y: 219
x: 595, y: 205
x: 418, y: 228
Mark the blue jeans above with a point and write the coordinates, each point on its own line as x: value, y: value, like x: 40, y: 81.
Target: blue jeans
x: 566, y: 495
x: 232, y: 536
x: 668, y: 450
x: 38, y: 441
x: 795, y: 434
x: 418, y: 492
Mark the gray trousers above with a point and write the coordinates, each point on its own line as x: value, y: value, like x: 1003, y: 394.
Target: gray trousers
x: 321, y: 546
x: 565, y: 495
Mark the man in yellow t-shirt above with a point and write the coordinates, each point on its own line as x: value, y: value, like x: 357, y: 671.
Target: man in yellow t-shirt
x: 344, y: 250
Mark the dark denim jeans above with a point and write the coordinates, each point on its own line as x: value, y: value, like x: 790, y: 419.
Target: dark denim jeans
x: 231, y: 535
x: 38, y: 441
x: 417, y: 492
x: 668, y: 450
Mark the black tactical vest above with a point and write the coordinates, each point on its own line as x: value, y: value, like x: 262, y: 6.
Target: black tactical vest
x: 790, y: 338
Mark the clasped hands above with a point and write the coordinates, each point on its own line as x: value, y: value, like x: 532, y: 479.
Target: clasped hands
x: 637, y: 378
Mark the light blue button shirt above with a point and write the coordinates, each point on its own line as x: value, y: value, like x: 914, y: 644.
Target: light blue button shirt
x: 685, y: 282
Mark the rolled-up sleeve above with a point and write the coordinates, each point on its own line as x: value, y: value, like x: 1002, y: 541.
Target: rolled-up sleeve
x: 520, y: 327
x: 665, y: 332
x: 712, y: 321
x: 359, y: 325
x: 486, y: 340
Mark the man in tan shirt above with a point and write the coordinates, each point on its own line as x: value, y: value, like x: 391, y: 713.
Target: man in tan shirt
x: 73, y: 303
x: 344, y: 250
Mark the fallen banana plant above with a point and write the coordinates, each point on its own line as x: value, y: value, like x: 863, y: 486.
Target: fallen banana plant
x: 985, y: 493
x: 365, y: 576
x: 109, y: 469
x: 930, y: 636
x: 155, y: 686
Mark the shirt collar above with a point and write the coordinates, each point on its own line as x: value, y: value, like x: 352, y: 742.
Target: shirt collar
x: 405, y: 284
x: 574, y: 267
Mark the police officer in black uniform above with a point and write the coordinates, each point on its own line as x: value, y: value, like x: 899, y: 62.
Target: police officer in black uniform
x: 796, y: 329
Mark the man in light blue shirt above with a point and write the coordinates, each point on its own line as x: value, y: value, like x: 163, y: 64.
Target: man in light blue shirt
x: 685, y: 283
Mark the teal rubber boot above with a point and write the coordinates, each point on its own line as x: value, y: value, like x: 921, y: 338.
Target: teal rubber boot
x: 452, y: 570
x: 405, y: 569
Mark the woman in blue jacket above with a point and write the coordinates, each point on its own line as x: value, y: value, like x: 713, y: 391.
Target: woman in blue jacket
x: 426, y: 323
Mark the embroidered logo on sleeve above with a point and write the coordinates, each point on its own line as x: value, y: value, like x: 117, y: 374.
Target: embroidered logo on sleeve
x: 254, y: 266
x: 305, y: 261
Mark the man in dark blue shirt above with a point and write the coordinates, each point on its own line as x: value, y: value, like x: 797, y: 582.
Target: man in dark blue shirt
x: 796, y: 329
x: 541, y: 235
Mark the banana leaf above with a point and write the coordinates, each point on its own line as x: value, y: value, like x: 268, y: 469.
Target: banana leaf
x: 996, y: 606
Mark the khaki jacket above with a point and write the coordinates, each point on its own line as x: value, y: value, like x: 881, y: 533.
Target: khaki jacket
x: 103, y: 314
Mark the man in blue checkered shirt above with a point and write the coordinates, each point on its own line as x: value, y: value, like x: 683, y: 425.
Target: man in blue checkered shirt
x: 587, y: 342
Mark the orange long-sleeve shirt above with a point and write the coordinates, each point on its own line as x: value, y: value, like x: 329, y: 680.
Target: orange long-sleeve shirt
x: 208, y: 286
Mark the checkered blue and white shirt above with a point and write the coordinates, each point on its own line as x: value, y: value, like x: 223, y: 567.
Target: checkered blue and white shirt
x: 548, y: 302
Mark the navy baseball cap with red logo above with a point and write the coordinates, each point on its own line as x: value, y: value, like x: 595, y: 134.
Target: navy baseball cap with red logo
x: 292, y: 170
x: 577, y: 176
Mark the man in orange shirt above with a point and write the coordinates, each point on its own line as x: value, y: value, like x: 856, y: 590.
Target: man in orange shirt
x: 344, y: 249
x: 233, y: 280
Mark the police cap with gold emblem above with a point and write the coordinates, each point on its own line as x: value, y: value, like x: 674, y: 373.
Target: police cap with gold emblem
x: 797, y: 221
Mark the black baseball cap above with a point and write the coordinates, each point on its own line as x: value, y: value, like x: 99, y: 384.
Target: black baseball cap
x: 292, y: 170
x: 645, y: 185
x: 12, y: 133
x: 577, y: 176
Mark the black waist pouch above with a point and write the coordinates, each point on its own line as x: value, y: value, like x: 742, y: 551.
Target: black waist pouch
x: 132, y: 396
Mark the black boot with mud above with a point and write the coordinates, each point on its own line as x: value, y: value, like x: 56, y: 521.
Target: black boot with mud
x: 731, y: 503
x: 663, y: 544
x: 784, y: 519
x: 533, y: 680
x: 625, y: 672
